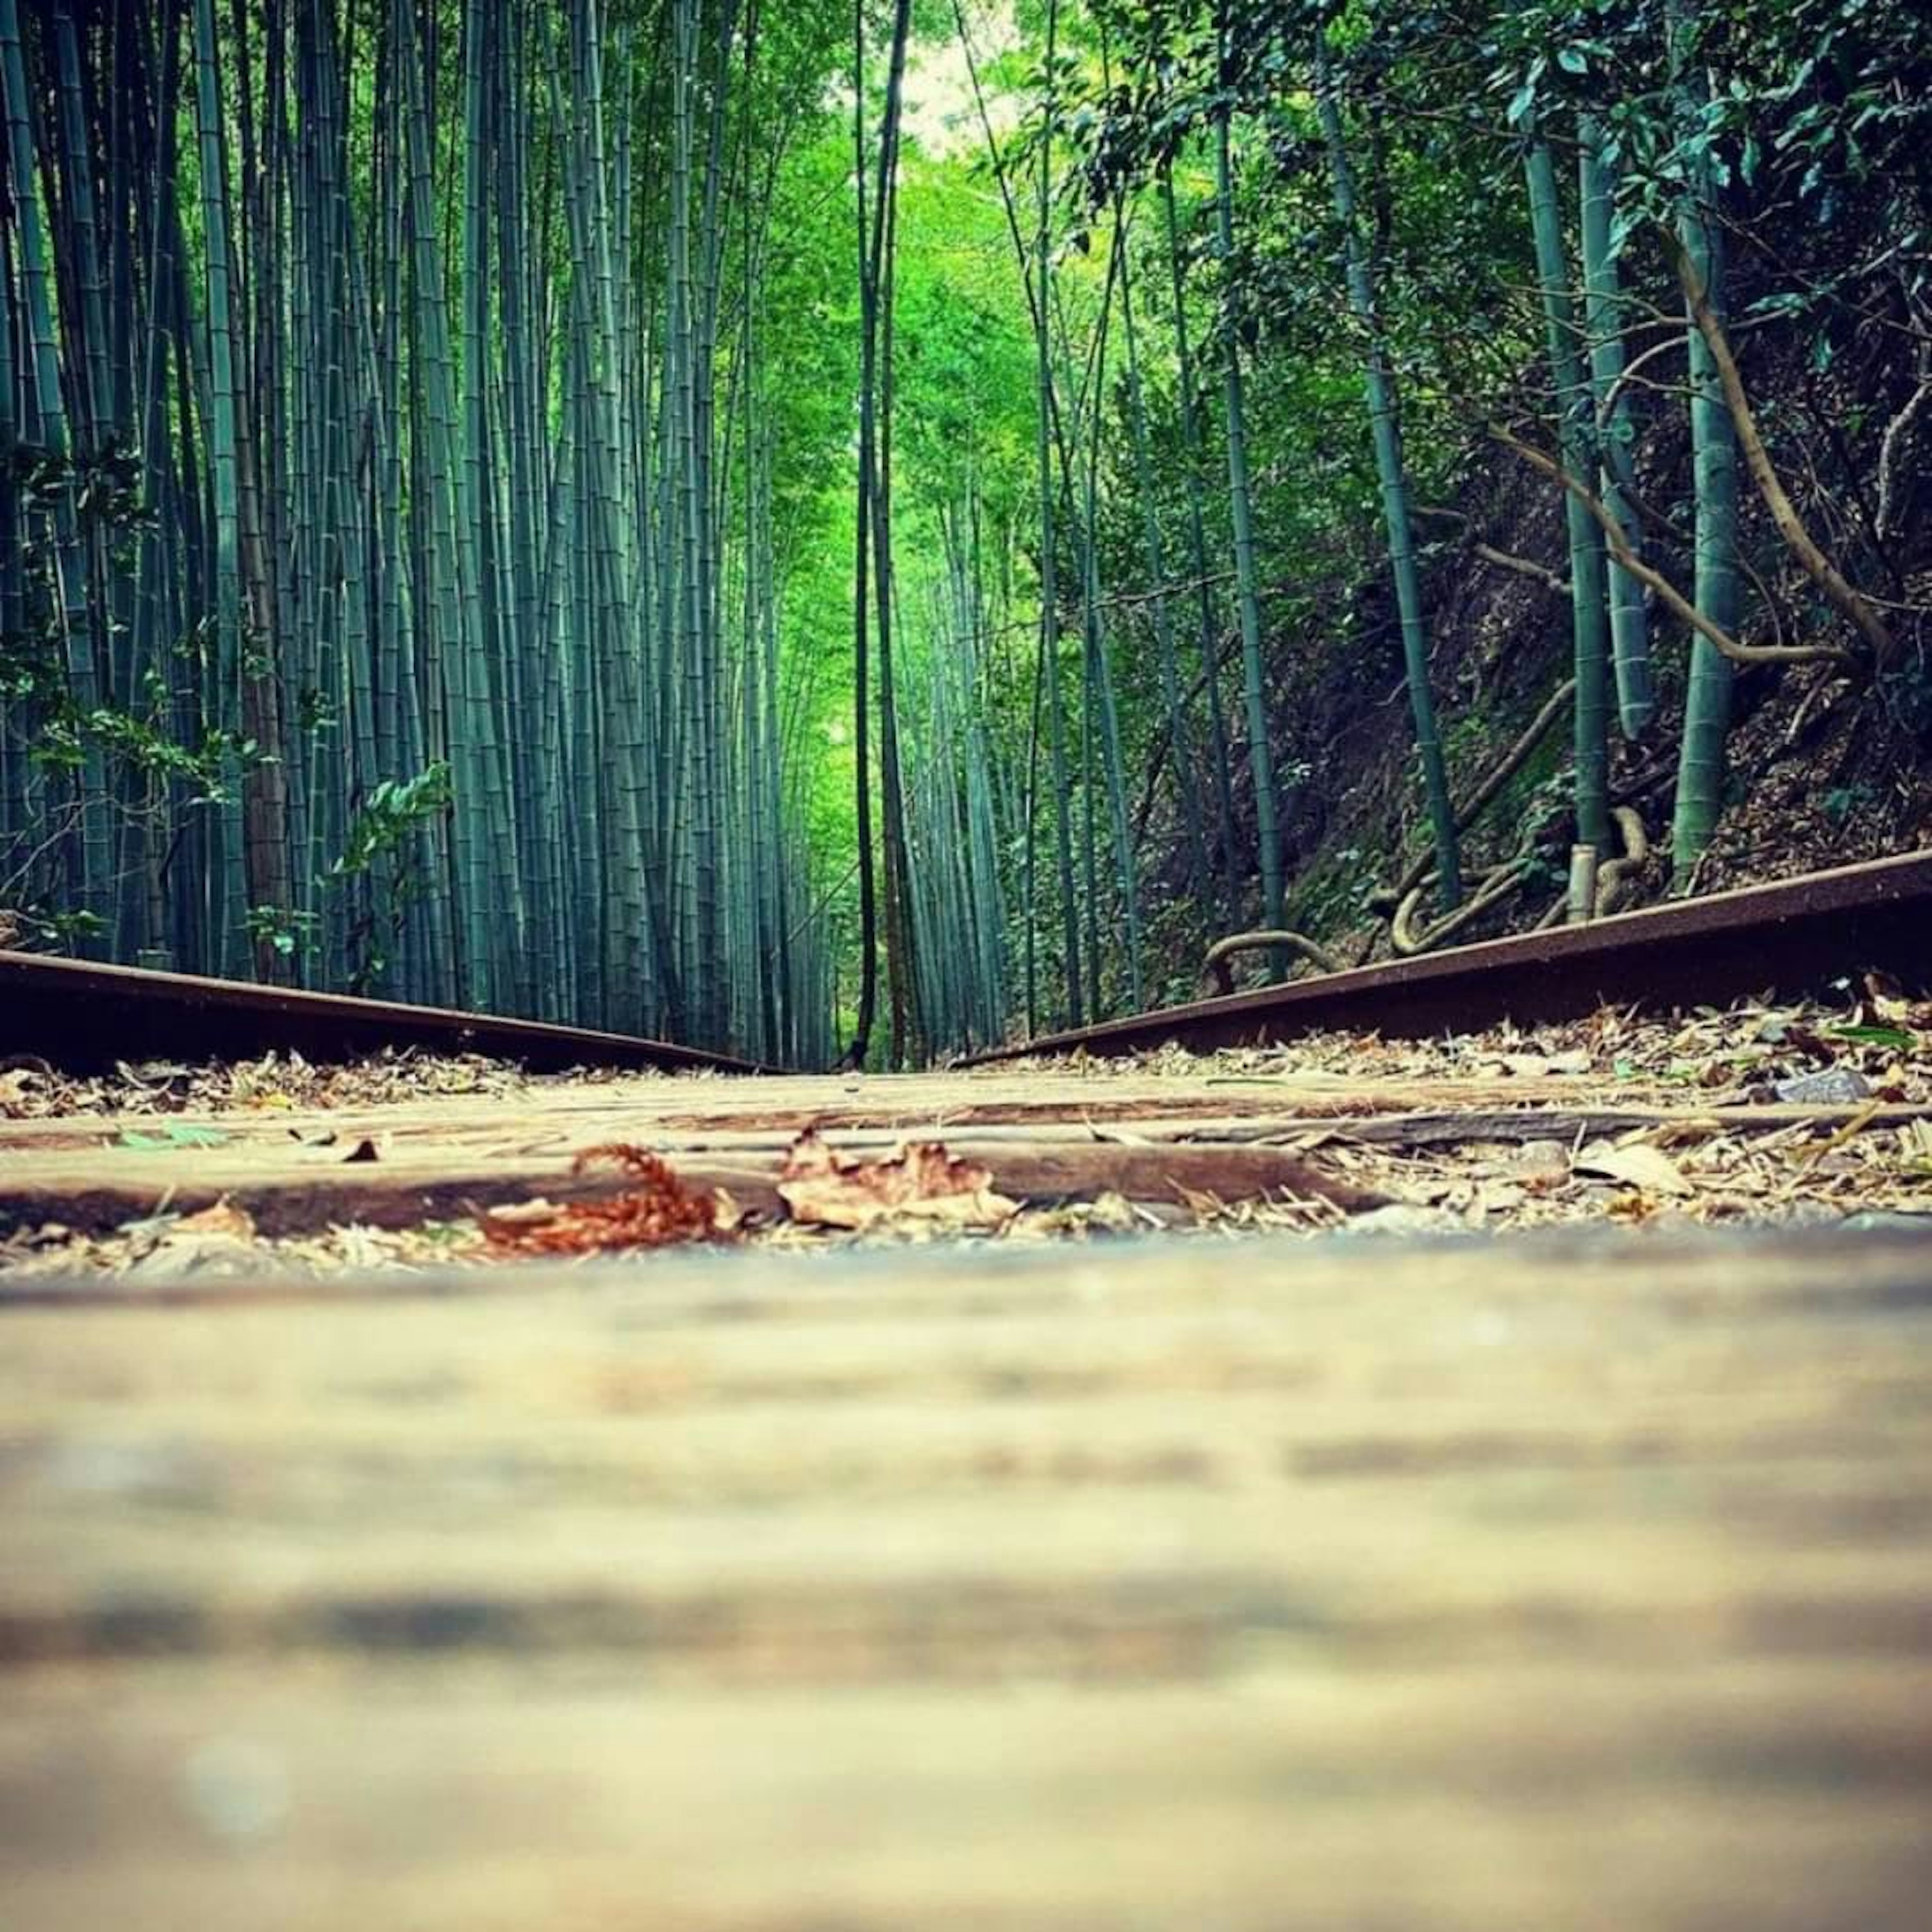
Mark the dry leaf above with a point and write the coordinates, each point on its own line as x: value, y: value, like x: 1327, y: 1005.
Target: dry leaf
x: 220, y: 1240
x: 1526, y: 1066
x: 224, y: 1219
x: 1538, y: 1166
x: 17, y: 1089
x: 1639, y: 1165
x: 656, y: 1211
x: 921, y: 1181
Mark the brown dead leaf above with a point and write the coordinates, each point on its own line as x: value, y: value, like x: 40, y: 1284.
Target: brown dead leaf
x: 921, y: 1181
x: 656, y: 1211
x: 1537, y: 1165
x: 224, y: 1219
x: 731, y: 1214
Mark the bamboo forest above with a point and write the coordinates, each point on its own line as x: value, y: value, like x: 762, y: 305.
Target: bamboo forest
x: 852, y: 534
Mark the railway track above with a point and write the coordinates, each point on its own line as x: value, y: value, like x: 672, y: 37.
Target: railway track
x: 84, y: 1018
x: 1789, y: 937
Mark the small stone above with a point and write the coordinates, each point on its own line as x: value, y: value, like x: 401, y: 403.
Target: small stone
x: 1835, y: 1086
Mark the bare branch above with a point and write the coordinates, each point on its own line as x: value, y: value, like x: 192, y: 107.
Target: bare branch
x: 1757, y: 460
x: 1217, y: 967
x: 1673, y: 598
x: 1506, y: 768
x: 1895, y: 432
x: 1523, y: 567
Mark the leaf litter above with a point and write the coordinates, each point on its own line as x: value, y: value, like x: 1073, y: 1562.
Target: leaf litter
x: 921, y: 1182
x: 31, y: 1090
x: 1699, y: 1169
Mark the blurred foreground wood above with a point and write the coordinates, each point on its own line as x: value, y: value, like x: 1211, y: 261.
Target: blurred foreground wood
x: 1198, y: 1584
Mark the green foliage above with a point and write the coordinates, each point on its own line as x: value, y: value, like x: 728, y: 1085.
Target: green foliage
x: 391, y: 815
x: 285, y: 932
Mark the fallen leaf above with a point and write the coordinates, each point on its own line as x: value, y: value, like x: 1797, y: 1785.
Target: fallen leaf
x: 1638, y: 1165
x: 17, y: 1088
x: 656, y: 1211
x: 1526, y: 1066
x: 1877, y: 1035
x: 1406, y: 1218
x: 1538, y: 1166
x: 220, y: 1240
x: 1204, y: 1207
x: 1915, y: 1145
x: 224, y: 1218
x: 153, y: 1072
x: 921, y: 1181
x: 171, y: 1137
x: 1839, y: 1086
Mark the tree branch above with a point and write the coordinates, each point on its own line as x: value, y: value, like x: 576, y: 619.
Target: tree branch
x: 1387, y: 899
x: 1757, y: 459
x: 1895, y: 430
x: 1673, y: 598
x: 1216, y: 965
x: 1537, y: 573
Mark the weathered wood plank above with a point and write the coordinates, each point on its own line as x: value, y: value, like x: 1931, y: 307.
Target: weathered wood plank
x: 780, y: 1106
x: 286, y: 1191
x: 1570, y: 1583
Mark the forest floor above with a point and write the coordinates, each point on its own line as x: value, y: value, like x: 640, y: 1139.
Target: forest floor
x: 1757, y: 1115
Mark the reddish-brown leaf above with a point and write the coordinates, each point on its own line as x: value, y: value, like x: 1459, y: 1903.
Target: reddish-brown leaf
x: 656, y: 1211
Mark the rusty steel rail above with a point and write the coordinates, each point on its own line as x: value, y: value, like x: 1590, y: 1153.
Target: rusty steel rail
x: 83, y: 1017
x: 1789, y: 938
